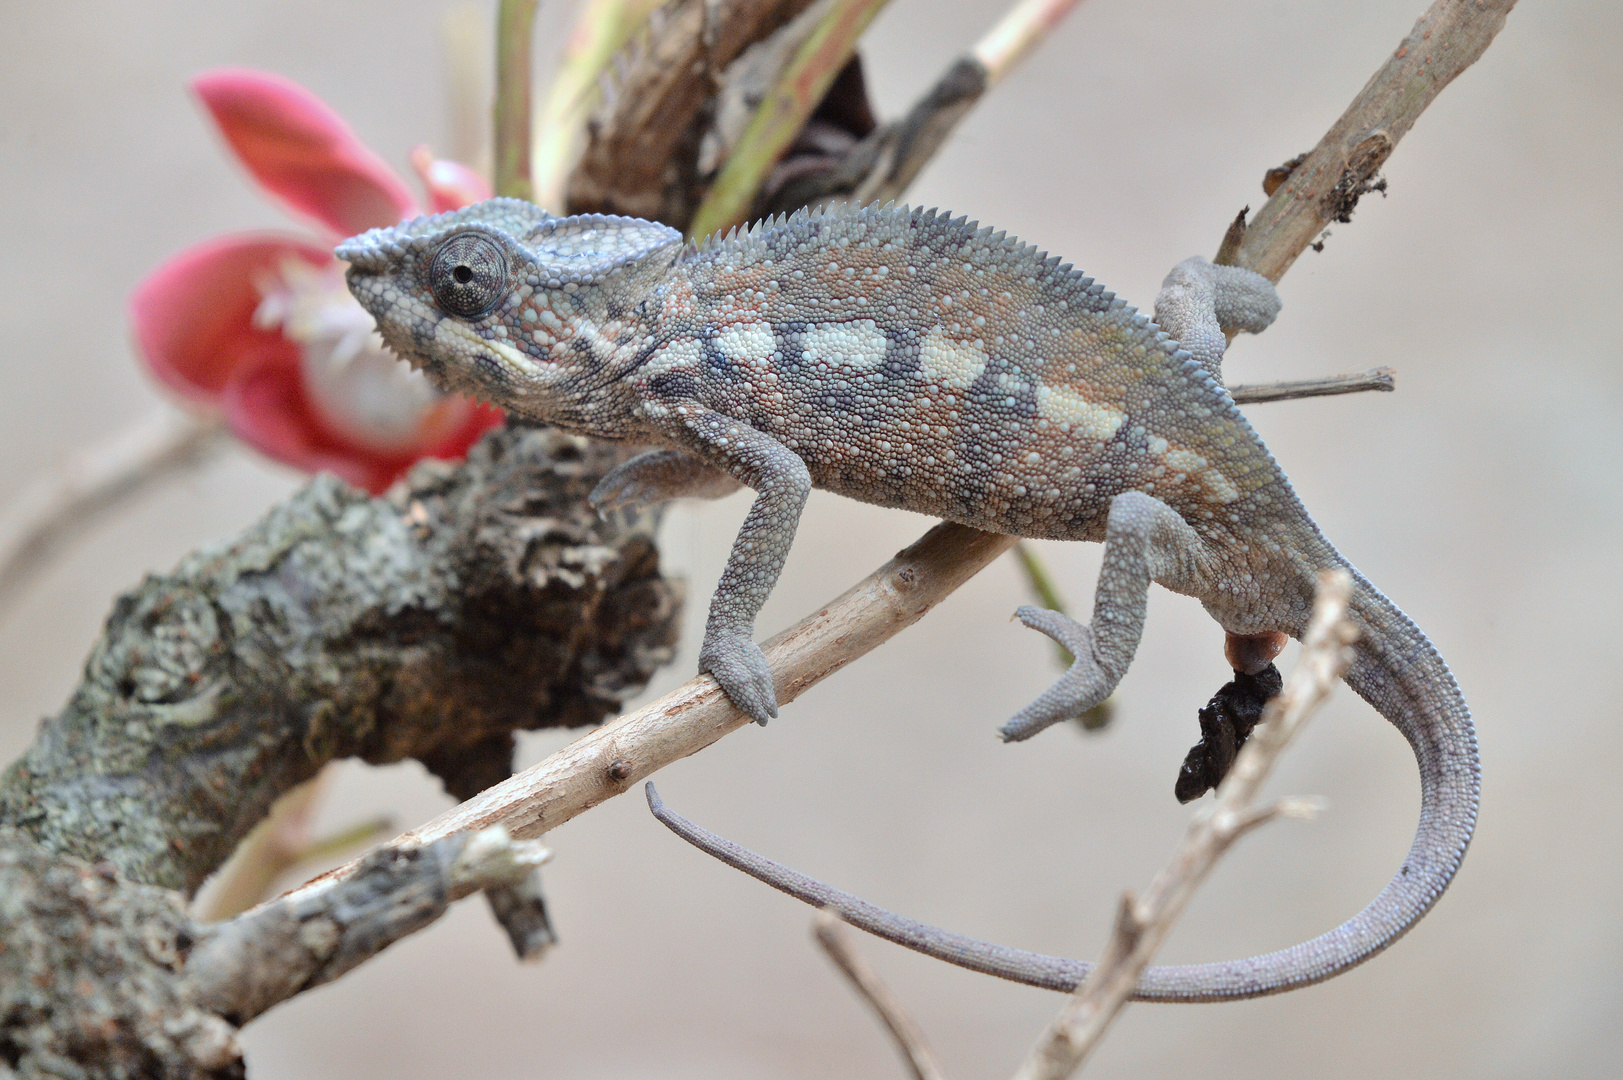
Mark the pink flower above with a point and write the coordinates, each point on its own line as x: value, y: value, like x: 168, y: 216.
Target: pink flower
x: 260, y: 327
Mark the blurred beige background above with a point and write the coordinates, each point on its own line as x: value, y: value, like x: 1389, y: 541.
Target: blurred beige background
x: 1484, y: 496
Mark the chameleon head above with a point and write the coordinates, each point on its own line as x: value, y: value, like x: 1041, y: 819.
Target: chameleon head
x: 505, y: 302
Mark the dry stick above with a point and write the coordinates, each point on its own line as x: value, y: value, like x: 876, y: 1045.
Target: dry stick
x: 830, y: 932
x: 605, y: 762
x: 1381, y: 378
x: 1446, y: 40
x: 1141, y: 925
x: 48, y: 514
x: 515, y: 30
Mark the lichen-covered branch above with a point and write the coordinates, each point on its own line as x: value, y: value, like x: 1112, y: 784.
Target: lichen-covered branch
x: 92, y: 975
x: 242, y: 967
x: 608, y: 761
x: 469, y: 603
x: 103, y: 977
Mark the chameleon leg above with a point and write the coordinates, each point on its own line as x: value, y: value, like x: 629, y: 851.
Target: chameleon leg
x: 781, y: 483
x: 1145, y: 541
x: 660, y: 476
x: 1200, y: 301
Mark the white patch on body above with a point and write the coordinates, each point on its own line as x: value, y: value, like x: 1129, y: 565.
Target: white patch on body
x: 948, y: 362
x: 859, y: 344
x: 683, y: 354
x: 1074, y: 412
x: 1218, y: 486
x: 747, y: 343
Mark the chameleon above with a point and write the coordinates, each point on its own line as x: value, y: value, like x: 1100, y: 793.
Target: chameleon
x: 913, y: 359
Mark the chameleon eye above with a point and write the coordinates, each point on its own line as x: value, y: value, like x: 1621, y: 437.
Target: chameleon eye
x: 468, y: 275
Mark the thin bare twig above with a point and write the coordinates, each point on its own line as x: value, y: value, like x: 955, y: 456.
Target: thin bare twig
x: 1381, y: 378
x: 1141, y: 925
x: 96, y: 481
x: 909, y: 1039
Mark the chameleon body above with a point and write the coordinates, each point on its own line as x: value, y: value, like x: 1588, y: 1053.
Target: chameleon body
x: 909, y: 359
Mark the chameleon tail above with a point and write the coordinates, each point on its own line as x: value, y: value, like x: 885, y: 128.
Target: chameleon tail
x: 1395, y: 669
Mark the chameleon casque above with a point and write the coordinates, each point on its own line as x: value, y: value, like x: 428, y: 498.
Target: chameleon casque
x: 905, y: 358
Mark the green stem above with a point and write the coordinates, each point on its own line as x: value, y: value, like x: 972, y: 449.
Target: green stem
x: 783, y: 113
x: 1041, y: 584
x: 515, y: 30
x: 601, y: 31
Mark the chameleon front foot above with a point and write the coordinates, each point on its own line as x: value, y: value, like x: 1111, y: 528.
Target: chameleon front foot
x: 739, y: 665
x: 1082, y: 687
x: 659, y: 476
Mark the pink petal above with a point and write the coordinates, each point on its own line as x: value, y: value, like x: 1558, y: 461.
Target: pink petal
x: 266, y: 407
x: 480, y: 419
x: 193, y: 316
x: 451, y: 185
x: 302, y: 152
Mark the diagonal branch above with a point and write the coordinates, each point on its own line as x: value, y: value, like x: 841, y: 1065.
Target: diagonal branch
x: 831, y: 934
x: 605, y: 762
x: 96, y: 481
x: 1447, y: 39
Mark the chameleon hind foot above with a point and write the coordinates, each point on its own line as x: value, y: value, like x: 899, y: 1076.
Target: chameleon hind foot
x: 1083, y: 685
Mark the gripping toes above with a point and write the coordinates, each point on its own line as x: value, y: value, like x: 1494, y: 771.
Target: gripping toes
x: 659, y: 476
x: 1082, y: 687
x: 739, y: 665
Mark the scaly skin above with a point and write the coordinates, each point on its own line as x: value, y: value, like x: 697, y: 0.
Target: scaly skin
x: 906, y: 359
